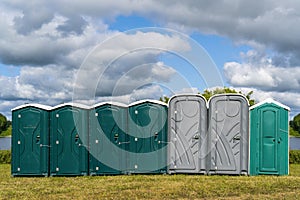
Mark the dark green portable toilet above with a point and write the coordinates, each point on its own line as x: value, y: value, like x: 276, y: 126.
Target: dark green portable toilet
x: 269, y: 145
x: 30, y: 140
x: 147, y: 132
x: 108, y: 139
x: 69, y: 140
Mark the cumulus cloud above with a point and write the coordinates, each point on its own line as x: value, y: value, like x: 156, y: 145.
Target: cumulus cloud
x: 49, y: 40
x: 259, y: 71
x: 39, y: 84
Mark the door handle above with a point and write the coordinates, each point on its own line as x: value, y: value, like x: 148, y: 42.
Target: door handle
x: 156, y: 136
x: 38, y: 138
x: 237, y: 137
x: 116, y: 136
x: 76, y: 139
x: 196, y: 137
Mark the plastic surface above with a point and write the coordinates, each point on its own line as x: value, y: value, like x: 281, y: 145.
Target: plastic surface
x: 147, y: 133
x: 269, y: 139
x: 108, y: 140
x: 187, y: 134
x: 30, y: 141
x: 69, y: 141
x: 228, y: 134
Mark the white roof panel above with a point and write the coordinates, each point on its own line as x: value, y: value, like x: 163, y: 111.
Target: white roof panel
x: 77, y: 105
x: 109, y: 103
x: 148, y: 100
x: 270, y: 100
x: 40, y: 106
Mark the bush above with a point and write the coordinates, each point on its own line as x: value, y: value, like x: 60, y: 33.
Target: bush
x: 8, y: 132
x: 5, y: 156
x: 294, y: 157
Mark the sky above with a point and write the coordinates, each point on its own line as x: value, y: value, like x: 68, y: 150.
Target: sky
x: 91, y: 51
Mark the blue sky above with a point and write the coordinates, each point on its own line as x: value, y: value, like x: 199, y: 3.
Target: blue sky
x: 51, y: 52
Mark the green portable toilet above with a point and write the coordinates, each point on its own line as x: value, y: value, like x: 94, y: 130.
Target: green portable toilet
x: 69, y: 140
x: 269, y: 145
x: 108, y: 139
x: 147, y: 132
x: 30, y: 140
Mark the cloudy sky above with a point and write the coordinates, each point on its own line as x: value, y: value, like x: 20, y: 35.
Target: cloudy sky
x: 90, y: 51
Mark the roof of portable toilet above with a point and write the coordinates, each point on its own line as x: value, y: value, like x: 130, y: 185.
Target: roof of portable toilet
x: 40, y: 106
x: 228, y: 94
x: 109, y: 103
x: 186, y: 95
x: 148, y: 101
x: 77, y: 105
x: 268, y: 101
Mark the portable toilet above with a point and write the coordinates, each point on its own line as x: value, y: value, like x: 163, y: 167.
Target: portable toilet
x: 269, y: 142
x: 187, y: 134
x: 69, y: 140
x: 147, y: 133
x: 228, y: 134
x: 30, y: 140
x: 108, y: 139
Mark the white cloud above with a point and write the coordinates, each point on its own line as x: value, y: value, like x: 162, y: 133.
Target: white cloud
x: 262, y: 74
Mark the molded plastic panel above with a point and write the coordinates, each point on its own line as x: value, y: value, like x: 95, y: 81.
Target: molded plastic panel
x: 30, y: 141
x: 187, y: 134
x: 269, y: 139
x: 147, y: 132
x: 228, y: 135
x: 69, y: 141
x: 108, y: 140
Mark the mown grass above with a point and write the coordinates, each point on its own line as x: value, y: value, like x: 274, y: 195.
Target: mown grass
x: 151, y: 186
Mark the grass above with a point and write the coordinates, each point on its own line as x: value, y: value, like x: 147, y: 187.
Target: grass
x: 151, y: 186
x: 7, y: 132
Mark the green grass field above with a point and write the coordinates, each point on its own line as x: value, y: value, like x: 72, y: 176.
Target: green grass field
x: 151, y: 186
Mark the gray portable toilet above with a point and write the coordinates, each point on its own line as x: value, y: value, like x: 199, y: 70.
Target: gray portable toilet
x: 147, y: 133
x: 30, y: 140
x: 228, y: 134
x: 187, y: 134
x: 269, y: 138
x: 108, y: 139
x: 69, y: 140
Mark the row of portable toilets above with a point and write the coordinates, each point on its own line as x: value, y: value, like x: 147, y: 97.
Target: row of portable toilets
x: 188, y: 135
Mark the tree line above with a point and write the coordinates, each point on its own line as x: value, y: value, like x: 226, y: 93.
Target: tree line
x: 4, y: 123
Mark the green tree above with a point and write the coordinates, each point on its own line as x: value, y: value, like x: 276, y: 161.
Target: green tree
x: 295, y: 123
x: 294, y: 133
x: 3, y: 123
x: 164, y: 99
